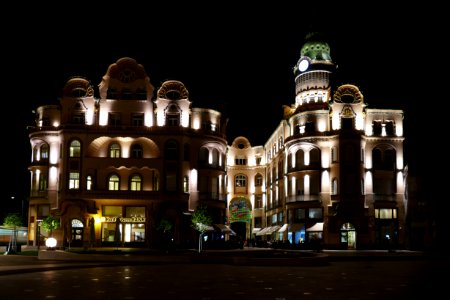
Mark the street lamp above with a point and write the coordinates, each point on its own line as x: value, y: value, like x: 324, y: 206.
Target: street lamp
x: 50, y: 243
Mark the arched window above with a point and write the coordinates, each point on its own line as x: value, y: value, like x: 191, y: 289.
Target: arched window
x: 44, y: 152
x: 89, y: 182
x: 334, y: 187
x: 75, y: 149
x: 334, y: 154
x: 114, y: 150
x: 215, y: 157
x: 389, y: 159
x: 113, y: 183
x: 299, y: 159
x: 136, y: 151
x: 203, y: 155
x: 35, y: 153
x: 136, y: 183
x: 377, y: 161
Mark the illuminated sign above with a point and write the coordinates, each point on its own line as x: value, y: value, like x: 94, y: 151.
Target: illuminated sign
x: 240, y: 211
x: 126, y: 220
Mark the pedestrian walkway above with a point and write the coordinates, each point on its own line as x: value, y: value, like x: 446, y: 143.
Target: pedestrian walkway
x: 60, y: 259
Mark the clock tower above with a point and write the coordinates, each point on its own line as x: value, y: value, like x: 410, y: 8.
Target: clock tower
x: 313, y: 70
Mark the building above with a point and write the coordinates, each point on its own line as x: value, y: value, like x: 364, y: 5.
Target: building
x: 333, y: 170
x: 117, y: 166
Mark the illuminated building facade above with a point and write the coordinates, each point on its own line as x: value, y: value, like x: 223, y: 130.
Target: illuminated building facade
x: 333, y: 169
x: 117, y: 166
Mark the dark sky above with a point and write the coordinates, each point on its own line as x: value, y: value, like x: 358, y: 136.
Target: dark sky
x: 234, y: 59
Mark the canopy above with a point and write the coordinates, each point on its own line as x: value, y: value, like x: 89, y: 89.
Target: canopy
x: 225, y: 229
x: 283, y: 228
x: 315, y: 227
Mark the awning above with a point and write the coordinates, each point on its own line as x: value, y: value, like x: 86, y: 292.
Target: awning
x: 256, y: 230
x: 272, y: 229
x: 225, y: 229
x: 263, y: 231
x: 206, y: 228
x: 210, y: 229
x: 283, y: 228
x: 315, y: 227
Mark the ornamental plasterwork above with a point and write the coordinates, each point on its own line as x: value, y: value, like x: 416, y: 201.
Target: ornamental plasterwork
x: 173, y: 90
x: 348, y: 90
x: 347, y: 112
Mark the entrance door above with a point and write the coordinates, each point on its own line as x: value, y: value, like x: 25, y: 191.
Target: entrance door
x: 348, y: 236
x: 77, y: 232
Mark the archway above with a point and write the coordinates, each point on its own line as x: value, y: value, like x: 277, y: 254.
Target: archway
x: 240, y: 217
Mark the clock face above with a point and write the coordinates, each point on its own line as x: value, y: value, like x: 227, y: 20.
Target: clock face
x: 303, y: 65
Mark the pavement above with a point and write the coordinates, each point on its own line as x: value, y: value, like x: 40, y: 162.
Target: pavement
x: 61, y: 259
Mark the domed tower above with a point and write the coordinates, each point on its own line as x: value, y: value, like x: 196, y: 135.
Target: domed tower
x: 313, y: 71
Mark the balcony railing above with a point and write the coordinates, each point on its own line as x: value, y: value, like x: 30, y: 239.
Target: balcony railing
x: 297, y: 198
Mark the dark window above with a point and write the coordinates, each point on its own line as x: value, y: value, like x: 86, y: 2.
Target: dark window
x: 136, y: 151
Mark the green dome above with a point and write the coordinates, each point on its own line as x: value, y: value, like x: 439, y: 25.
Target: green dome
x: 316, y: 48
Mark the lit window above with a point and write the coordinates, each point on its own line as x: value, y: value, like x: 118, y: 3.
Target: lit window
x: 136, y: 183
x: 240, y: 181
x: 44, y: 152
x: 89, y: 183
x: 75, y: 149
x: 113, y: 184
x: 114, y: 151
x: 74, y: 180
x: 186, y: 184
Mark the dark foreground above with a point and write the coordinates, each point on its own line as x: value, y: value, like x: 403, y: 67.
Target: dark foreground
x: 346, y: 275
x: 337, y: 280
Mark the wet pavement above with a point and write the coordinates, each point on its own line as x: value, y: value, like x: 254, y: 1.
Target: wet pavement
x: 58, y: 259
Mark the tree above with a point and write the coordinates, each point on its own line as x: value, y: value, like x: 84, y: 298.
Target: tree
x: 201, y: 221
x: 13, y: 220
x: 165, y: 227
x: 50, y: 223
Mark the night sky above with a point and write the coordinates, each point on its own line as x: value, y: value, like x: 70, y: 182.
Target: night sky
x: 236, y: 60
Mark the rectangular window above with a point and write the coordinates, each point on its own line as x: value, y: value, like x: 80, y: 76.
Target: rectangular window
x: 43, y: 182
x: 74, y: 180
x: 274, y: 219
x: 240, y: 181
x: 300, y: 214
x: 135, y: 211
x: 89, y: 183
x: 258, y: 222
x: 135, y: 185
x: 114, y: 119
x: 386, y: 213
x: 258, y: 201
x: 171, y: 182
x: 113, y: 185
x: 137, y: 120
x: 78, y: 119
x: 111, y: 211
x: 186, y: 184
x: 173, y: 120
x: 315, y: 213
x: 43, y: 211
x: 241, y: 161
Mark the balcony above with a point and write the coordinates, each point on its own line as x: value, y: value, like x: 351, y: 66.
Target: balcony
x: 298, y: 198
